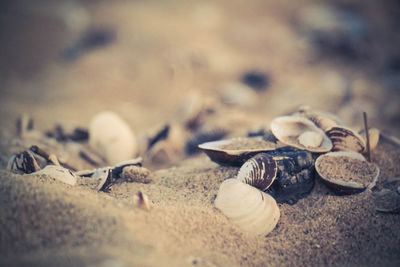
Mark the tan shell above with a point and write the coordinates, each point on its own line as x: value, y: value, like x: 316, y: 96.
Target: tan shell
x: 374, y: 134
x: 247, y: 207
x: 338, y: 185
x: 111, y: 137
x: 241, y: 152
x: 259, y: 171
x: 322, y: 119
x: 300, y: 133
x: 345, y: 139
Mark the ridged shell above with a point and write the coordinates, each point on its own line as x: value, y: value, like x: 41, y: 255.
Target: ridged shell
x: 300, y: 133
x: 341, y: 186
x: 248, y: 207
x: 345, y: 139
x: 259, y: 171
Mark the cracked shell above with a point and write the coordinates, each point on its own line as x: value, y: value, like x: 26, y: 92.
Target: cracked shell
x: 247, y: 207
x: 300, y: 133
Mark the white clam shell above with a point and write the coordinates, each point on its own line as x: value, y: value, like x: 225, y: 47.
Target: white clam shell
x: 112, y: 138
x: 248, y: 207
x: 291, y: 129
x: 59, y: 173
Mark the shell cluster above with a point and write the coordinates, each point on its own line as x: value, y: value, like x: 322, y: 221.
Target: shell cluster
x: 283, y: 163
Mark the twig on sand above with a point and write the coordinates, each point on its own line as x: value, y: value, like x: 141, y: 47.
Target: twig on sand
x: 367, y: 135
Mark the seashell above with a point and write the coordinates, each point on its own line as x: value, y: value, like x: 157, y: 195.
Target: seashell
x: 236, y: 151
x: 374, y: 134
x: 295, y: 175
x: 170, y: 148
x: 322, y: 119
x: 247, y: 207
x: 346, y: 172
x: 345, y: 139
x: 59, y: 173
x: 300, y: 133
x: 23, y: 162
x: 259, y: 171
x: 112, y: 137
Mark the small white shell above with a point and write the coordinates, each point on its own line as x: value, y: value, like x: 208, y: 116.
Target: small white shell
x: 291, y: 129
x: 345, y: 139
x: 59, y: 173
x: 112, y: 138
x: 259, y: 171
x: 248, y: 207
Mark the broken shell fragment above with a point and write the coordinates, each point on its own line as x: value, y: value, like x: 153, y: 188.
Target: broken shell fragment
x: 23, y: 162
x: 59, y: 173
x: 300, y: 133
x: 236, y: 151
x: 346, y: 172
x: 247, y: 207
x: 112, y: 137
x: 259, y: 171
x: 374, y: 134
x: 345, y: 139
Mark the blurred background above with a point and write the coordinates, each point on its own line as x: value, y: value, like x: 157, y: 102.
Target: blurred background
x: 147, y: 60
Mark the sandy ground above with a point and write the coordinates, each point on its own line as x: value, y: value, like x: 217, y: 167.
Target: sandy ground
x: 162, y: 54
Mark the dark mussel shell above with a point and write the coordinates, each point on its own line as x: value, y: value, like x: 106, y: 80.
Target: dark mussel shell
x: 295, y: 175
x: 259, y: 171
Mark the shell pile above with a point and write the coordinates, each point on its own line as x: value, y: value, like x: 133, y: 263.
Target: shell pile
x: 284, y: 160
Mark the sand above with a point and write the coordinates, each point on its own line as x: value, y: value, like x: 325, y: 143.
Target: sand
x: 153, y: 67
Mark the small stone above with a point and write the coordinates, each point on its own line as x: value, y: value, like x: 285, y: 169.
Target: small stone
x: 136, y: 174
x: 256, y: 80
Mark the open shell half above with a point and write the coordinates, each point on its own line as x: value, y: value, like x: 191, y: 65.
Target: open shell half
x: 346, y: 172
x: 300, y: 133
x: 236, y: 151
